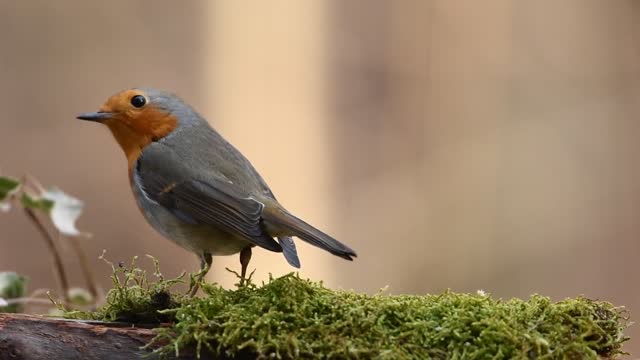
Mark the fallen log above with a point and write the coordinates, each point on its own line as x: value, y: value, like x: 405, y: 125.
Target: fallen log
x: 293, y: 318
x: 42, y: 338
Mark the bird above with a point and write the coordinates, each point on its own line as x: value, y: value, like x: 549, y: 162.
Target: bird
x: 195, y: 188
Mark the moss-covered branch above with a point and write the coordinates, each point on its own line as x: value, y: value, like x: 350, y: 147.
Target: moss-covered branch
x: 293, y: 318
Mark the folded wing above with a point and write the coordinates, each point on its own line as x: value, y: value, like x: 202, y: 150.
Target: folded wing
x: 200, y: 198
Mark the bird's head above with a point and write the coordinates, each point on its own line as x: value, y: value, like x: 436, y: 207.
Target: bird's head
x: 138, y: 117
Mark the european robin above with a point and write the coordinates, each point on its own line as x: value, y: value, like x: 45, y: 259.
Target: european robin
x: 195, y: 188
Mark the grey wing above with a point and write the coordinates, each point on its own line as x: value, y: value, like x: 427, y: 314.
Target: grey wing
x: 206, y: 198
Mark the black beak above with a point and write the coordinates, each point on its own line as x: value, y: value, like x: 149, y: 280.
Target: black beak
x: 99, y: 116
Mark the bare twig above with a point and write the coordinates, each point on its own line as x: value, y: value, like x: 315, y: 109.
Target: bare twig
x: 34, y: 183
x: 57, y: 260
x: 28, y: 300
x: 29, y: 184
x: 86, y: 269
x: 38, y: 292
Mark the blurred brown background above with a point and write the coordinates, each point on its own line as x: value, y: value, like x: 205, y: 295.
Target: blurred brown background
x: 465, y: 145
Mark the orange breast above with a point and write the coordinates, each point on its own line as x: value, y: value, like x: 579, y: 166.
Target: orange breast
x: 135, y: 133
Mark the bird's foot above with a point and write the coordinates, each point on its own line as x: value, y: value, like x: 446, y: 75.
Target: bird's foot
x: 197, y: 278
x: 245, y: 257
x: 245, y: 280
x: 194, y: 283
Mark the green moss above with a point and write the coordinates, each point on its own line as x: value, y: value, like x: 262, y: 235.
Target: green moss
x: 293, y: 318
x: 133, y: 297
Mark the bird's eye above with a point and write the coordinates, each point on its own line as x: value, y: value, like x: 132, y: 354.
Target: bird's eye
x: 138, y: 101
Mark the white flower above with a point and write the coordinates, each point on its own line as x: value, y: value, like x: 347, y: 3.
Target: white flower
x: 66, y: 210
x: 5, y: 206
x: 481, y: 292
x: 3, y: 302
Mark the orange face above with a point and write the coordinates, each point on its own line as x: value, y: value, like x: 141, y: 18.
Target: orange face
x: 133, y: 121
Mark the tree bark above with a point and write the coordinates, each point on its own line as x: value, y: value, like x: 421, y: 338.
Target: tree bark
x: 36, y: 337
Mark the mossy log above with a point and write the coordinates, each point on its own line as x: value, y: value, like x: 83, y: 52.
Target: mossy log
x: 41, y: 338
x: 293, y: 318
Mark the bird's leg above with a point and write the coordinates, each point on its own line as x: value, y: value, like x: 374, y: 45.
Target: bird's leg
x: 245, y: 257
x: 205, y: 265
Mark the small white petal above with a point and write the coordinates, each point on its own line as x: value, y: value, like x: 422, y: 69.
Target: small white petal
x: 481, y: 292
x: 3, y: 302
x: 66, y: 210
x: 80, y: 296
x: 5, y: 206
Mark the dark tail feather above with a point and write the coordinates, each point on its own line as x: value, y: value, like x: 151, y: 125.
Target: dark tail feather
x: 289, y: 250
x: 283, y: 220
